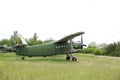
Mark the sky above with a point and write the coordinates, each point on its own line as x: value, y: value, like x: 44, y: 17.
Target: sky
x: 99, y: 19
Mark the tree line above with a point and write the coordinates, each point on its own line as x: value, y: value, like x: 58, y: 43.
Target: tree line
x: 14, y: 39
x: 112, y: 49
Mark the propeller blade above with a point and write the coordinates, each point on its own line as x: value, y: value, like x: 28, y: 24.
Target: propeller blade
x: 81, y: 39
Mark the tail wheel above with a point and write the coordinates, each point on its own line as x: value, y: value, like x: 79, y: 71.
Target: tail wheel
x: 74, y: 59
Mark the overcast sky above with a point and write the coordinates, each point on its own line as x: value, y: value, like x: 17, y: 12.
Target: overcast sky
x: 100, y: 19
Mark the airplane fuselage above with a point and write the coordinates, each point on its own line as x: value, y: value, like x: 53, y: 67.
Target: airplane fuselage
x: 47, y: 49
x: 62, y: 46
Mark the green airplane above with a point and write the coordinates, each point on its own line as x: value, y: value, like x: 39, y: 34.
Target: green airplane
x: 62, y: 46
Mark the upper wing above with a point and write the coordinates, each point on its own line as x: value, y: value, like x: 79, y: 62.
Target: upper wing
x: 66, y: 38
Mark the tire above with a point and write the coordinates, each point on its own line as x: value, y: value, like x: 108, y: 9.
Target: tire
x: 74, y: 59
x: 68, y: 58
x: 23, y: 58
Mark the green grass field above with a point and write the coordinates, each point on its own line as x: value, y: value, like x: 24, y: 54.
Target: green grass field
x: 88, y: 67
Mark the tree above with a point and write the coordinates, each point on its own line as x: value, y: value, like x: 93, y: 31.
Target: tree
x: 14, y: 39
x: 95, y: 48
x: 31, y: 42
x: 4, y: 41
x: 92, y: 45
x: 113, y: 49
x: 49, y: 40
x: 34, y: 41
x: 35, y: 37
x: 118, y: 47
x: 102, y: 46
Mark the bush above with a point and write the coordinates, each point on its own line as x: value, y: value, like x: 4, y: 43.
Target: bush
x: 113, y: 49
x: 98, y: 52
x: 117, y: 54
x: 88, y: 50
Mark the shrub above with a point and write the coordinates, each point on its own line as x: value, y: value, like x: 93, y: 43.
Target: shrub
x: 99, y: 52
x: 88, y: 50
x: 117, y: 54
x: 113, y: 49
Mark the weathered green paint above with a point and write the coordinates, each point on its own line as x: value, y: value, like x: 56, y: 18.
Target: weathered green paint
x: 62, y: 46
x: 47, y: 49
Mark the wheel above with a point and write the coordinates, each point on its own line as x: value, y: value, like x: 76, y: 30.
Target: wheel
x: 23, y: 58
x: 68, y: 58
x: 74, y: 59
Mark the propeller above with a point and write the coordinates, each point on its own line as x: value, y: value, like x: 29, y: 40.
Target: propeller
x: 76, y: 46
x: 82, y: 41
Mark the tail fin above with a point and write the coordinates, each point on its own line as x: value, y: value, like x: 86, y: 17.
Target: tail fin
x: 22, y: 39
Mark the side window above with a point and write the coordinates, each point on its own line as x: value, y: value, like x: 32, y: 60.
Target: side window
x: 60, y: 46
x: 57, y: 46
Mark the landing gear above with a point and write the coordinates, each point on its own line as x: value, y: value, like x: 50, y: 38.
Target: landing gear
x: 23, y: 58
x: 68, y: 57
x: 74, y: 59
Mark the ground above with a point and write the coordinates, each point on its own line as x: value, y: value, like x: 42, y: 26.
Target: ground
x: 88, y: 67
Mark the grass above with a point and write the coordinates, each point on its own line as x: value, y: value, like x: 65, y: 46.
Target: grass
x: 88, y: 67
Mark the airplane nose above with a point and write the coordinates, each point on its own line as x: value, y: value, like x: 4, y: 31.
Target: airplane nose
x: 79, y: 45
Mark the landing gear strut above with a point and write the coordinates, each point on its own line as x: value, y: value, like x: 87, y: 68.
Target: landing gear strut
x: 68, y: 57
